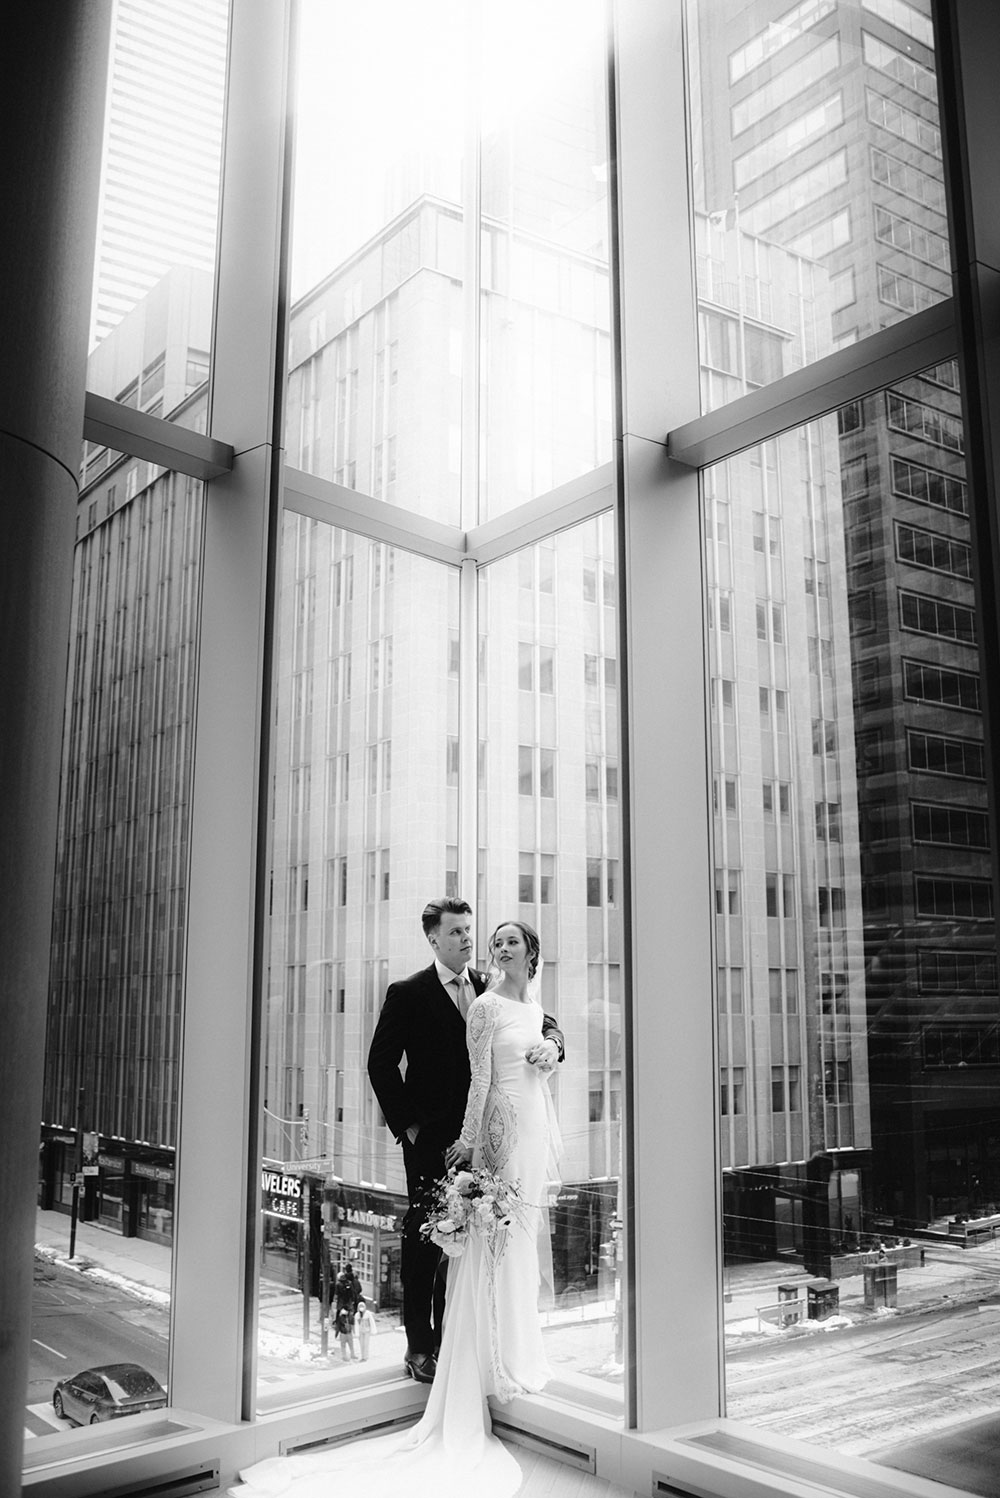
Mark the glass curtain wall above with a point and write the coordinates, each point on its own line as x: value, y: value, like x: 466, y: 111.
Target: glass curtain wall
x: 448, y: 358
x: 550, y: 855
x: 818, y: 180
x: 857, y: 970
x: 110, y: 1112
x: 858, y: 1003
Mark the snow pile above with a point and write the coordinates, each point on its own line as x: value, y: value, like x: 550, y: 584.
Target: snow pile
x: 147, y: 1293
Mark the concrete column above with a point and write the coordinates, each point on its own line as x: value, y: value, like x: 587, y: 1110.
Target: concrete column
x: 52, y: 86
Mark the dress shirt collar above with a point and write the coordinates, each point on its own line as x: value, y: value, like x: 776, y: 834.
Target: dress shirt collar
x: 447, y: 976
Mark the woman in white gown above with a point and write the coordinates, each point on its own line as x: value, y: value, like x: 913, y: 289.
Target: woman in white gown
x: 492, y: 1341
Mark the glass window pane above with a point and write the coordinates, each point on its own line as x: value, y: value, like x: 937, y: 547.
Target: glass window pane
x: 819, y: 189
x: 545, y: 309
x: 159, y: 204
x: 354, y: 864
x: 867, y: 1156
x: 378, y: 249
x: 110, y: 1103
x: 553, y: 860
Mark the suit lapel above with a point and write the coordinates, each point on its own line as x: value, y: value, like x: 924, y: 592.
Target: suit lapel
x: 441, y: 999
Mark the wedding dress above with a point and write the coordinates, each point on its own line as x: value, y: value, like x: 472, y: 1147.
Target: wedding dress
x: 492, y: 1341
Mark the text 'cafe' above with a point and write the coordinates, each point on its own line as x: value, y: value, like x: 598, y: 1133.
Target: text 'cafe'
x: 355, y: 1223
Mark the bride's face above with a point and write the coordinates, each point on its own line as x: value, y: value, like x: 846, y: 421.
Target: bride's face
x: 510, y: 951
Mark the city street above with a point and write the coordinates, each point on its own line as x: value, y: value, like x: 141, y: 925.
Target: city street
x: 862, y: 1384
x: 79, y: 1323
x: 859, y: 1390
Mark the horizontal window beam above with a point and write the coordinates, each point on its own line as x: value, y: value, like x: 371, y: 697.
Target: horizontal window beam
x: 123, y: 429
x: 570, y: 504
x: 891, y: 354
x: 334, y: 504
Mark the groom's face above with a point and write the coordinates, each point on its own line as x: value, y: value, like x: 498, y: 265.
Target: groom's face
x: 452, y: 940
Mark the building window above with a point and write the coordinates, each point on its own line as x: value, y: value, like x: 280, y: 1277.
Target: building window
x: 942, y: 754
x: 526, y: 879
x: 925, y: 683
x: 727, y: 891
x: 924, y: 615
x: 929, y: 486
x: 949, y: 826
x: 525, y: 770
x: 732, y: 1091
x: 832, y: 910
x: 958, y: 971
x: 929, y: 423
x: 954, y: 899
x: 808, y: 70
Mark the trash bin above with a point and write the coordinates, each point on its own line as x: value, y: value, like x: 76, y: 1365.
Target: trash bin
x: 880, y: 1285
x: 788, y: 1303
x: 822, y: 1299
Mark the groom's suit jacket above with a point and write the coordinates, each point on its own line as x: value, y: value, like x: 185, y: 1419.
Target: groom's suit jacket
x: 421, y: 1023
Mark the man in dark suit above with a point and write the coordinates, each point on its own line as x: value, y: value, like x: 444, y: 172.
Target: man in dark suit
x: 423, y: 1021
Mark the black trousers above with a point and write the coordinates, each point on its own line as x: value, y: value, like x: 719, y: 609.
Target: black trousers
x: 421, y: 1269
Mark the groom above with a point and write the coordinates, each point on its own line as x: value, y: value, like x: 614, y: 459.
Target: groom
x: 423, y: 1021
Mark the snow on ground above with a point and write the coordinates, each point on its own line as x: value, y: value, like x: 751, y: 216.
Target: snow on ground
x: 103, y: 1276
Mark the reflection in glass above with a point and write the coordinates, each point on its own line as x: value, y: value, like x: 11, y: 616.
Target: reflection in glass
x: 817, y: 163
x: 858, y: 1003
x: 550, y: 842
x: 106, y: 1186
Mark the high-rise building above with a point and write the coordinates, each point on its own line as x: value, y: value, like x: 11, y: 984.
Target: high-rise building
x: 819, y: 131
x: 163, y: 141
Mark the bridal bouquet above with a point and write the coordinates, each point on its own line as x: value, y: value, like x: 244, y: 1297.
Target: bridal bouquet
x: 467, y: 1201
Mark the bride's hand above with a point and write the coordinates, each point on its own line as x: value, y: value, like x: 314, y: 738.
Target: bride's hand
x: 457, y: 1154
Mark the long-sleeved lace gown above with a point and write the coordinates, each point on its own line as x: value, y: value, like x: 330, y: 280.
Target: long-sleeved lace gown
x: 492, y: 1340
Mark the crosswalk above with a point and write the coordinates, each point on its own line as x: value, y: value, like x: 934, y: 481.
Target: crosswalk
x: 41, y: 1420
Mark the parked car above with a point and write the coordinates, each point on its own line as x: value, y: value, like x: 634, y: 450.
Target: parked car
x: 106, y: 1393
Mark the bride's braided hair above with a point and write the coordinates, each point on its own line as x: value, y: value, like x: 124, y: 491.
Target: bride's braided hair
x: 531, y: 941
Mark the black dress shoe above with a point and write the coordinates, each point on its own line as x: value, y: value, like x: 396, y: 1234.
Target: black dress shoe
x: 421, y: 1366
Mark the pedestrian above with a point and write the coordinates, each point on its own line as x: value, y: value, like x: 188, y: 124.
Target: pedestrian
x: 344, y: 1323
x: 365, y: 1328
x: 347, y: 1288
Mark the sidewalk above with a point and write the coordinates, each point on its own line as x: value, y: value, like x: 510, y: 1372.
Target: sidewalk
x: 103, y: 1252
x: 964, y: 1277
x: 143, y: 1269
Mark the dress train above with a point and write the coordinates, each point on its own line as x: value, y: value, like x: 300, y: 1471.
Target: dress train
x: 492, y: 1341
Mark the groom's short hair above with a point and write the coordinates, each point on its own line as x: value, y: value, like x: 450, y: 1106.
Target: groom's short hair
x: 434, y: 910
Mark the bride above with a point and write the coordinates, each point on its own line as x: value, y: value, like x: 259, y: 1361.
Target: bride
x: 492, y: 1342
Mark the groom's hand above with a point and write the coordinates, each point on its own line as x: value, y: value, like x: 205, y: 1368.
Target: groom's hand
x: 457, y: 1154
x: 544, y: 1054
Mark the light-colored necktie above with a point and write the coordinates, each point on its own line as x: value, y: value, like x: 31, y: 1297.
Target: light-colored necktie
x: 465, y: 994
